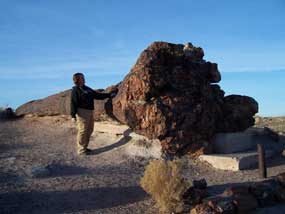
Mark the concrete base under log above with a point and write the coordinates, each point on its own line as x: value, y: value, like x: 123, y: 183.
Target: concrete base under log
x: 234, y: 161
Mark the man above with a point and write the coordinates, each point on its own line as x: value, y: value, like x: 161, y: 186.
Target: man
x: 82, y: 106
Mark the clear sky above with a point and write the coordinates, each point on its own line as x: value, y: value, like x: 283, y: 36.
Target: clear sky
x: 42, y: 43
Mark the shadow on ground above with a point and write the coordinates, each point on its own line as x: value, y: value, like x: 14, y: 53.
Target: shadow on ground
x: 275, y: 162
x: 5, y: 147
x: 9, y: 178
x: 124, y: 140
x: 60, y: 170
x: 57, y: 202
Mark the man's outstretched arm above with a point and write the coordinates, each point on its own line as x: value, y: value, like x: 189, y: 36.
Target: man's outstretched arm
x: 101, y: 96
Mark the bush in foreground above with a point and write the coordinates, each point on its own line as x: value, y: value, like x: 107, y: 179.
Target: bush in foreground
x: 164, y: 182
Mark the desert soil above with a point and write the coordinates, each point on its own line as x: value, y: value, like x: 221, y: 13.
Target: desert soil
x: 105, y: 182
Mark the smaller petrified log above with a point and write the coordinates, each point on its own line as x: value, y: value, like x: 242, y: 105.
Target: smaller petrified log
x: 59, y: 104
x: 265, y: 192
x: 242, y: 198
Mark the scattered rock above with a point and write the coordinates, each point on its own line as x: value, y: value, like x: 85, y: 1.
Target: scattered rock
x: 264, y: 192
x: 203, y: 209
x: 222, y: 204
x: 243, y: 200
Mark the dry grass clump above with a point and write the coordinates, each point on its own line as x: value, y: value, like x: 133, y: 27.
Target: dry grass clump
x: 164, y: 182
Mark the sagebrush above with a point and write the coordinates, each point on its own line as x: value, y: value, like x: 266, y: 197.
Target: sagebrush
x: 164, y: 182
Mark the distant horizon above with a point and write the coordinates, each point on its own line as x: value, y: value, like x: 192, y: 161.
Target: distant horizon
x: 42, y: 43
x: 228, y: 78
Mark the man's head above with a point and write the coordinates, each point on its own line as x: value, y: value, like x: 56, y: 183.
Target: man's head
x: 78, y: 79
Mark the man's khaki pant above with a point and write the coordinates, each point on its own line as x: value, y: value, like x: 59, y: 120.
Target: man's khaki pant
x: 85, y: 126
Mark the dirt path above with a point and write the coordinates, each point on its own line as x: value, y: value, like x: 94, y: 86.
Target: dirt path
x: 105, y: 182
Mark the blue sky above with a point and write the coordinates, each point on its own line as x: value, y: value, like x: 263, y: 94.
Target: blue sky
x: 42, y: 43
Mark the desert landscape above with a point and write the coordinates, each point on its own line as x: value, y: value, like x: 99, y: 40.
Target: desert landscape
x: 42, y: 173
x: 169, y: 109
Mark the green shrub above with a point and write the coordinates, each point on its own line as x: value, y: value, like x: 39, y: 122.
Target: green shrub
x: 164, y: 182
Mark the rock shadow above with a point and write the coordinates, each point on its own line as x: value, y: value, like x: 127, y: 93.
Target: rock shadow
x: 278, y: 161
x: 220, y: 188
x: 60, y: 170
x: 57, y: 202
x: 124, y: 140
x: 9, y: 178
x: 4, y: 147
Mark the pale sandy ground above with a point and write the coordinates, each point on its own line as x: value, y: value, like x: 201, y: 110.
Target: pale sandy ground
x: 105, y: 182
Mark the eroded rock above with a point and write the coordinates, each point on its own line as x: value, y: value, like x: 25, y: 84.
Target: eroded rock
x: 170, y: 94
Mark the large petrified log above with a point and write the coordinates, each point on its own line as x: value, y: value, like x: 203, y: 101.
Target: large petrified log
x: 53, y: 105
x: 169, y: 94
x: 59, y: 104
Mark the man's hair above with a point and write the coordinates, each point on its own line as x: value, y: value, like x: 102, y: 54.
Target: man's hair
x: 76, y: 77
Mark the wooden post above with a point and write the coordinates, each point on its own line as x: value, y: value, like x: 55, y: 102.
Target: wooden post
x: 261, y: 161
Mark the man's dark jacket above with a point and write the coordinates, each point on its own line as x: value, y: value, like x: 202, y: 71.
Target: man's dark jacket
x: 83, y: 97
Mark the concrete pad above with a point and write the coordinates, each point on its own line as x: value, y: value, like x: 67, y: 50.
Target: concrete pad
x: 111, y: 128
x: 144, y: 148
x: 133, y: 144
x: 235, y: 161
x: 227, y: 143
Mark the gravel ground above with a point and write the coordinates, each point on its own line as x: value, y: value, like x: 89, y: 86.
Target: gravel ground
x: 42, y: 174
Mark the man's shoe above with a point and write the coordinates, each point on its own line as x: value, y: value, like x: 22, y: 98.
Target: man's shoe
x: 88, y: 150
x: 83, y: 153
